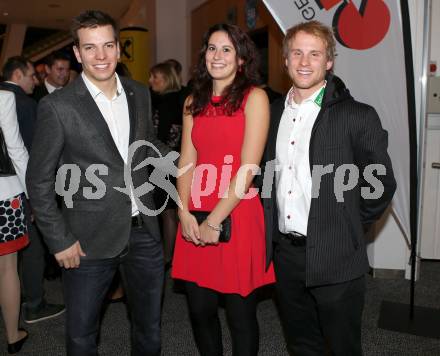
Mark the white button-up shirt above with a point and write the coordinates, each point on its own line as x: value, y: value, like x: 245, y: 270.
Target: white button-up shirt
x: 293, y: 178
x: 115, y: 113
x: 50, y: 88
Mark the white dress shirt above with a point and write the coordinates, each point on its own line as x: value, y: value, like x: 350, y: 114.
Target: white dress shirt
x: 50, y: 88
x: 294, y: 179
x: 13, y: 185
x: 116, y: 115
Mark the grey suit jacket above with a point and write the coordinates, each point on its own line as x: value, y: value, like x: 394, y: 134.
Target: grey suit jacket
x: 70, y: 130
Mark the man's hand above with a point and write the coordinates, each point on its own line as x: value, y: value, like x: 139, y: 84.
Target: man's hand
x: 70, y: 257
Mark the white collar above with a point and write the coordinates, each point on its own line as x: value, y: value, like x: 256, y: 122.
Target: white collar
x: 10, y: 82
x: 50, y: 88
x: 95, y: 91
x: 291, y: 93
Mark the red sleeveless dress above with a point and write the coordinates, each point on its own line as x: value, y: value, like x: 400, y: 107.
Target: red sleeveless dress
x: 238, y: 266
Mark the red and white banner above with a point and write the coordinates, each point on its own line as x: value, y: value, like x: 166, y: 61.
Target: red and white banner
x: 371, y: 61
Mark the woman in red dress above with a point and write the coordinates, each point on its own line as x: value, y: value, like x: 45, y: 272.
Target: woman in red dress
x: 225, y: 128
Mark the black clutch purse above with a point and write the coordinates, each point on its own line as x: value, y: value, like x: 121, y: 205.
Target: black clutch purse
x: 225, y: 234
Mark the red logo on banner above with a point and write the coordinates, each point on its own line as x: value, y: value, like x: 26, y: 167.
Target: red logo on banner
x: 361, y: 28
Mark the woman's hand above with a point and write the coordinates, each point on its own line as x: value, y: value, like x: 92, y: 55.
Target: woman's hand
x: 208, y: 236
x: 189, y: 227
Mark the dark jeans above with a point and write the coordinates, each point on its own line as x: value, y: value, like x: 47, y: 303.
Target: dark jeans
x: 85, y: 288
x: 241, y: 314
x: 317, y: 319
x: 32, y: 265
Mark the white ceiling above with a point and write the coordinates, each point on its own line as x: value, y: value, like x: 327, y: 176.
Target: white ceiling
x: 55, y: 13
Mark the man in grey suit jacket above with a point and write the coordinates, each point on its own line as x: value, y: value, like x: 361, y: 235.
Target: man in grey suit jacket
x: 85, y: 129
x: 333, y: 181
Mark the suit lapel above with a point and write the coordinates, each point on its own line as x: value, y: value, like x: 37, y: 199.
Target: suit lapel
x: 132, y: 112
x: 276, y: 113
x: 92, y: 115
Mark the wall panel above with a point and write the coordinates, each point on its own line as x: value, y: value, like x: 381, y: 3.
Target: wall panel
x: 215, y: 11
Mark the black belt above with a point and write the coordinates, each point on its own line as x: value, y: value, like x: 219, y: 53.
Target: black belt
x: 136, y: 221
x: 295, y: 238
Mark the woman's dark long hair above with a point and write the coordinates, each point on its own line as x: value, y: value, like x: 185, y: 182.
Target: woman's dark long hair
x: 245, y: 77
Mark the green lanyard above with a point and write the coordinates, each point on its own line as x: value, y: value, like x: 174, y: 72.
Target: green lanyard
x: 318, y: 100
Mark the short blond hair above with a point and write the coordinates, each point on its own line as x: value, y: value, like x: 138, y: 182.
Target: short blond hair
x: 314, y: 28
x: 172, y: 81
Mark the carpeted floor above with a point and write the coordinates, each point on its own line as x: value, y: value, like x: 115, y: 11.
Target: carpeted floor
x: 46, y: 338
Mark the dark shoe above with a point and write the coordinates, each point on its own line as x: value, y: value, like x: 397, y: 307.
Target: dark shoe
x: 43, y: 312
x: 16, y: 346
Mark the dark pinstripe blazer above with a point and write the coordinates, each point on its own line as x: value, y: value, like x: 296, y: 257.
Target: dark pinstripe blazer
x: 71, y: 130
x: 345, y: 132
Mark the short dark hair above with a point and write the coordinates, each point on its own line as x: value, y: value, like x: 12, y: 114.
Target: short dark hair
x: 13, y: 63
x: 56, y: 56
x: 92, y: 19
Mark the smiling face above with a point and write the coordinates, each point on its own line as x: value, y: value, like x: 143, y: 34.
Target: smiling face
x: 221, y: 58
x: 98, y: 52
x: 58, y: 73
x: 157, y: 82
x: 307, y: 63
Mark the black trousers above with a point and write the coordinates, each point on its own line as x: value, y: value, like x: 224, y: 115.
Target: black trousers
x: 32, y: 265
x: 317, y: 320
x: 142, y: 270
x: 241, y: 314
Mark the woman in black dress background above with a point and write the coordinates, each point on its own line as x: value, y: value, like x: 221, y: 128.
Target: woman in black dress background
x: 167, y: 102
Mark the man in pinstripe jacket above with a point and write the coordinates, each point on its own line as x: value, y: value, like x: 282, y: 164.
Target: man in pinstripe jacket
x: 333, y: 179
